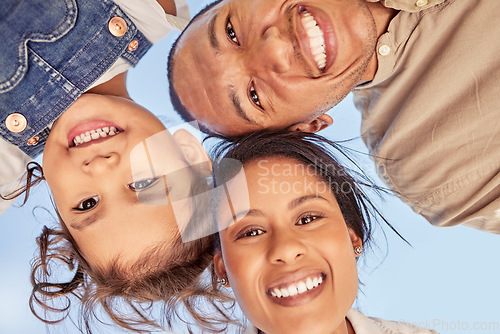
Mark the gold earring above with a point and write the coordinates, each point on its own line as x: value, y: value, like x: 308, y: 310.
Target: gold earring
x: 223, y: 281
x: 358, y: 250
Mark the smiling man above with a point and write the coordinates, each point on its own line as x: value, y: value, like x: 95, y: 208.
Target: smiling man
x: 424, y: 74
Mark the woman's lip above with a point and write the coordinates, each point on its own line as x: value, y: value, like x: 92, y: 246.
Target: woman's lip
x: 88, y: 126
x: 329, y: 35
x: 292, y: 277
x: 299, y: 299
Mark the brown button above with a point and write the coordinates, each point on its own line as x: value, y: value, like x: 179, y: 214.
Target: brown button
x: 16, y: 122
x: 133, y: 45
x: 117, y: 26
x: 33, y: 141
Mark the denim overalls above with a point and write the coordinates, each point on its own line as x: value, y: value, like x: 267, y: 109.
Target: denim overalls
x: 51, y: 52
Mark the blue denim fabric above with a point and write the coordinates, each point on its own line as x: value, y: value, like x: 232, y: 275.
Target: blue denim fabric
x: 52, y: 51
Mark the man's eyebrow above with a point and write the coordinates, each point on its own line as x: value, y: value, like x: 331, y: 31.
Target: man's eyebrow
x: 237, y: 105
x: 296, y: 202
x: 87, y: 221
x: 212, y: 36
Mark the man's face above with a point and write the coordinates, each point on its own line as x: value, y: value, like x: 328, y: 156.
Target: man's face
x: 247, y: 65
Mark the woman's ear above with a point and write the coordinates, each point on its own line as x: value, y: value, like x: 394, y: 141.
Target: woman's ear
x: 193, y: 152
x: 314, y: 125
x: 357, y: 243
x: 220, y: 268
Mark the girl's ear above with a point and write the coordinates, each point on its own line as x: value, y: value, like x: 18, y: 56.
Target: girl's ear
x: 220, y: 268
x: 356, y: 241
x: 193, y: 152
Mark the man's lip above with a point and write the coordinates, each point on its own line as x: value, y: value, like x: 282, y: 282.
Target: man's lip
x: 299, y: 299
x: 88, y: 126
x: 329, y: 35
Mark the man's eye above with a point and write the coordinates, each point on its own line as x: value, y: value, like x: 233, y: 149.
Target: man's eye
x: 254, y: 96
x: 231, y: 33
x: 304, y: 220
x: 87, y: 204
x: 143, y: 184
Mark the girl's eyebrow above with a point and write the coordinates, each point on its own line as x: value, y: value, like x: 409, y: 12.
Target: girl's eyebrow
x: 87, y: 221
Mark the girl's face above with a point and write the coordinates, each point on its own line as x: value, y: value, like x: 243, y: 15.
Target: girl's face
x: 290, y: 261
x: 101, y: 188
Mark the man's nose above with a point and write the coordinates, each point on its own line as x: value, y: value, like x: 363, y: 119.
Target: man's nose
x: 273, y: 52
x: 101, y: 163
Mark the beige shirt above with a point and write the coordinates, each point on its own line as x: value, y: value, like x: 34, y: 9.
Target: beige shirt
x: 430, y: 115
x: 365, y: 325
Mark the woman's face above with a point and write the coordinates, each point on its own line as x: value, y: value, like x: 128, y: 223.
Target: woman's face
x: 290, y: 261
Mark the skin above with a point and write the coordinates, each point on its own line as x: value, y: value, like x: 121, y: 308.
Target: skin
x: 98, y: 178
x: 267, y: 56
x: 125, y: 223
x: 278, y: 239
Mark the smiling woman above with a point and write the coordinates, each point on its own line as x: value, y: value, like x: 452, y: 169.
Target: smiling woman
x: 290, y: 258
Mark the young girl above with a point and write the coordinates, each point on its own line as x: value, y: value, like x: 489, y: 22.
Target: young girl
x: 291, y: 259
x: 121, y: 184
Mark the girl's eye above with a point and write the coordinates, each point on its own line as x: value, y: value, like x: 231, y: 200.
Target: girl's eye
x: 231, y: 33
x: 143, y: 184
x: 307, y: 219
x: 251, y: 233
x: 87, y: 204
x: 254, y: 96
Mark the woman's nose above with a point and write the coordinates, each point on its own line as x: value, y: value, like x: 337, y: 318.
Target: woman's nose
x: 286, y: 247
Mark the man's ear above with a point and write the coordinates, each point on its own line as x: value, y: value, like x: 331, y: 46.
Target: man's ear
x: 220, y: 268
x: 314, y: 125
x: 192, y: 150
x: 355, y: 240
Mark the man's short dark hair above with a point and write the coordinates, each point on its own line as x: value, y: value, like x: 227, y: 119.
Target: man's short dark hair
x: 174, y: 97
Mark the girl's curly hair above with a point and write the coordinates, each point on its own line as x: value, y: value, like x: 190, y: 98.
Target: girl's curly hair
x: 169, y: 273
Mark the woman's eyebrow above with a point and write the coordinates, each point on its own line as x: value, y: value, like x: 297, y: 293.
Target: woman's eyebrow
x: 89, y: 219
x: 296, y: 202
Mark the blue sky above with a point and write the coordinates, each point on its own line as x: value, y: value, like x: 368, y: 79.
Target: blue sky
x: 447, y: 280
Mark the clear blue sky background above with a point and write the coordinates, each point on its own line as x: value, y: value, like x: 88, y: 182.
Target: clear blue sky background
x: 447, y: 281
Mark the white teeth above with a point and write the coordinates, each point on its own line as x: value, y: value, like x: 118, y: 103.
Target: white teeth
x: 309, y: 283
x: 297, y: 288
x: 301, y: 287
x: 316, y: 39
x: 315, y: 281
x: 87, y: 136
x: 292, y: 290
x: 315, y: 32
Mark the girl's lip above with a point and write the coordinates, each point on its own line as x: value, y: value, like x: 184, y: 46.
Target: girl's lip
x: 87, y: 126
x: 329, y: 35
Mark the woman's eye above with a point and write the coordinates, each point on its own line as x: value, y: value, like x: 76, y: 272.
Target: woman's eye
x: 254, y: 97
x: 143, y: 184
x: 307, y: 219
x: 231, y: 33
x: 87, y: 204
x: 251, y: 233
